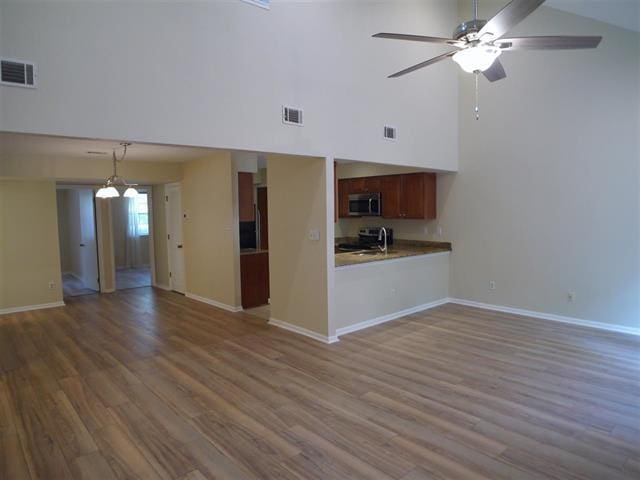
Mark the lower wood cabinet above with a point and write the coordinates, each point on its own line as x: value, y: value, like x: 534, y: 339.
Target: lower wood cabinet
x: 254, y: 279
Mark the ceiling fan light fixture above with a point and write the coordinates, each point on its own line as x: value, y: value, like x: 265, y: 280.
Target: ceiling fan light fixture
x: 476, y: 59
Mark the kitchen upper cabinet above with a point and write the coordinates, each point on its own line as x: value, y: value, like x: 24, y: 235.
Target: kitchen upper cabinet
x: 418, y: 196
x: 245, y: 197
x: 364, y: 184
x: 410, y: 196
x: 343, y: 198
x: 390, y: 190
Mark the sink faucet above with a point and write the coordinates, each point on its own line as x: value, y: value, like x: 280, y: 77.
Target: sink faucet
x: 383, y: 230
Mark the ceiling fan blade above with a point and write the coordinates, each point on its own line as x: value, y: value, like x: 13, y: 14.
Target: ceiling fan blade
x: 507, y: 18
x: 495, y: 72
x: 431, y: 61
x: 417, y: 38
x: 548, y: 43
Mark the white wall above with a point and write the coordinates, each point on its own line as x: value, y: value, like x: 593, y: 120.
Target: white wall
x: 369, y: 291
x: 217, y: 74
x: 547, y: 197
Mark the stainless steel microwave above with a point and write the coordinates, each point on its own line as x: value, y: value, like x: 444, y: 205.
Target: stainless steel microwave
x: 365, y: 204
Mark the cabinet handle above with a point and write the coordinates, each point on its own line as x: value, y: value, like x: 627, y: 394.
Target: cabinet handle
x: 179, y: 246
x: 82, y: 244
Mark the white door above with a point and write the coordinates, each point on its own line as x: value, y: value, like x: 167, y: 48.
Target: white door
x: 174, y: 240
x: 88, y: 243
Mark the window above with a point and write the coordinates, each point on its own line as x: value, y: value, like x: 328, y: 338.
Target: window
x: 142, y: 213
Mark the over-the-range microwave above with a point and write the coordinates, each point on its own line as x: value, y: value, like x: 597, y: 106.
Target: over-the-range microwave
x: 365, y: 204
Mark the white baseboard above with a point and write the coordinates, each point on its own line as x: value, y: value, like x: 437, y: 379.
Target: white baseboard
x: 214, y: 303
x: 391, y: 316
x: 162, y: 286
x: 303, y: 331
x: 26, y: 308
x: 547, y: 316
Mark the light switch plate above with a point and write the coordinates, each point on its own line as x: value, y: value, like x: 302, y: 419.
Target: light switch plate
x: 314, y: 234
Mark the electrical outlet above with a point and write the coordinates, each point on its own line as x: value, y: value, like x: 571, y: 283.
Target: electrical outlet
x: 393, y: 290
x: 492, y: 285
x: 314, y: 234
x: 439, y: 231
x: 51, y: 285
x: 571, y: 297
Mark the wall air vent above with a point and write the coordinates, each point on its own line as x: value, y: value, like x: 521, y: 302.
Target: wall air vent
x: 292, y: 116
x: 390, y: 133
x: 17, y: 73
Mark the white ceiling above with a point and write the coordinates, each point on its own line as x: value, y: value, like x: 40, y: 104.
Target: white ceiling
x: 20, y: 144
x: 622, y: 13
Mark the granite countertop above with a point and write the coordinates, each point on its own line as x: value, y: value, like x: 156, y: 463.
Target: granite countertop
x: 399, y: 249
x: 252, y: 251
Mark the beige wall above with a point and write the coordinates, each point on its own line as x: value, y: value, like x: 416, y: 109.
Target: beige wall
x: 298, y: 266
x: 404, y: 229
x: 547, y: 197
x: 212, y: 268
x: 29, y: 250
x: 160, y: 236
x: 91, y: 169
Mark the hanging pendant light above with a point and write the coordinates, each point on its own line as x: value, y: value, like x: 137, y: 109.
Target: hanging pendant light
x: 109, y: 190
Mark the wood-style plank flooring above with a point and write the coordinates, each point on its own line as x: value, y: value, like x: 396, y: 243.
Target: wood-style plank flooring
x: 148, y: 384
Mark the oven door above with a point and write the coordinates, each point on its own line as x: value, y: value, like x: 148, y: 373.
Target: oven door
x: 364, y: 205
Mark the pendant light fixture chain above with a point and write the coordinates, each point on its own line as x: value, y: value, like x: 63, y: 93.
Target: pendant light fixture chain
x: 109, y: 189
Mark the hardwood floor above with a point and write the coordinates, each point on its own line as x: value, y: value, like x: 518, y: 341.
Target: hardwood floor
x: 149, y: 384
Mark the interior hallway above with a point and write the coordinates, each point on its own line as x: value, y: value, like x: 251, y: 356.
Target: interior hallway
x: 149, y: 384
x: 133, y: 277
x: 73, y: 286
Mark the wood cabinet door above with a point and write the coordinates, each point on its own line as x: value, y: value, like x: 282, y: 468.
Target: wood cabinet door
x: 245, y: 197
x: 254, y: 278
x: 430, y: 195
x: 357, y: 185
x: 412, y: 196
x: 343, y: 198
x: 390, y: 190
x: 373, y: 184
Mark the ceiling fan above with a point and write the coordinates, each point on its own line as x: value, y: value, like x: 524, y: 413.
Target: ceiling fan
x: 479, y: 43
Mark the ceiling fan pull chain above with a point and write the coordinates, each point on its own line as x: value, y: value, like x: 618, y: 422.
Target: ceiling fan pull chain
x: 477, y: 109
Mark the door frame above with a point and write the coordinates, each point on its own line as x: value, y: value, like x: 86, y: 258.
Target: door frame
x: 167, y: 219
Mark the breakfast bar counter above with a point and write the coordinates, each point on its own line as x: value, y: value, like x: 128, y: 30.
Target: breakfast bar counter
x: 400, y: 249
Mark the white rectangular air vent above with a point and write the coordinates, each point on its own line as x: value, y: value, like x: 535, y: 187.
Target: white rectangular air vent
x: 17, y: 73
x: 390, y: 132
x: 292, y: 116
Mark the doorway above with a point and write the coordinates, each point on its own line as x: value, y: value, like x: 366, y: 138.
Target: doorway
x: 131, y: 244
x: 254, y: 242
x: 175, y: 248
x: 77, y: 240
